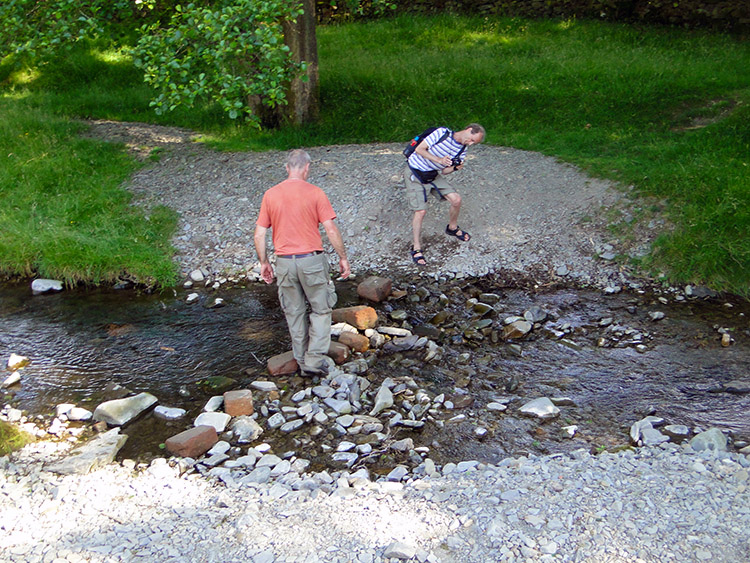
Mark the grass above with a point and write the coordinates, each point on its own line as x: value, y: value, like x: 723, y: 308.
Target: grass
x: 665, y: 110
x: 63, y: 212
x: 11, y: 438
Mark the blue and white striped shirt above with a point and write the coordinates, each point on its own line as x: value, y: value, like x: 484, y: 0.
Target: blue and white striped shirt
x: 447, y: 147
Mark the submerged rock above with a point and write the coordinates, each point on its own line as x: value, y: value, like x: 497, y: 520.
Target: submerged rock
x: 122, y: 411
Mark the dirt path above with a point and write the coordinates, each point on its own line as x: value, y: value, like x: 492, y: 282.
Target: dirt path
x: 529, y: 214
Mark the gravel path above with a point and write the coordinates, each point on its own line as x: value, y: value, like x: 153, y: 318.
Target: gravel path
x: 667, y: 503
x: 529, y: 215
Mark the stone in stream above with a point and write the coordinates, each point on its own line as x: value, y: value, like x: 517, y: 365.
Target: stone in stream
x: 217, y: 383
x: 122, y: 411
x: 79, y: 414
x: 738, y: 387
x: 245, y: 429
x: 12, y: 379
x: 357, y: 342
x: 375, y: 288
x: 401, y: 344
x: 193, y: 442
x: 339, y: 352
x: 677, y: 431
x: 535, y: 314
x: 541, y: 408
x: 218, y: 420
x: 361, y: 317
x: 383, y: 400
x: 712, y: 439
x: 239, y: 402
x: 169, y: 413
x: 16, y: 362
x: 282, y: 364
x: 516, y: 329
x: 40, y: 286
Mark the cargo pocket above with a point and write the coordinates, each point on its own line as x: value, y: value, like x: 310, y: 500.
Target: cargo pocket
x: 283, y: 284
x: 318, y: 285
x: 332, y: 297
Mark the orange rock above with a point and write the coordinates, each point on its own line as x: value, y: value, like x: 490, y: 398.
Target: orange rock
x: 359, y: 316
x: 238, y: 402
x: 375, y: 288
x: 355, y: 341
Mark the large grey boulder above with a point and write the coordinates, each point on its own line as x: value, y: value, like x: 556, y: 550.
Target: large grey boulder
x: 122, y: 411
x: 712, y: 439
x: 96, y: 453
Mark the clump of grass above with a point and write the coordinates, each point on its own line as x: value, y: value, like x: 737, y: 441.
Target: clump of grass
x: 63, y: 211
x: 11, y: 438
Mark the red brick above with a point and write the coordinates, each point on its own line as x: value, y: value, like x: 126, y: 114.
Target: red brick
x: 239, y: 402
x: 355, y: 341
x: 339, y: 352
x: 375, y: 288
x: 193, y: 442
x: 359, y: 316
x: 282, y: 364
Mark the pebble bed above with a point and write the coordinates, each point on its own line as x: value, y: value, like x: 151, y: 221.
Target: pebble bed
x: 666, y: 503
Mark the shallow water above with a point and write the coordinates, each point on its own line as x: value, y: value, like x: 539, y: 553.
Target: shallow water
x: 80, y: 341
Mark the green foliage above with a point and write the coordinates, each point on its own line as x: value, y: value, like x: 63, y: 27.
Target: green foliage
x: 348, y: 10
x: 228, y: 51
x: 34, y: 30
x: 232, y: 53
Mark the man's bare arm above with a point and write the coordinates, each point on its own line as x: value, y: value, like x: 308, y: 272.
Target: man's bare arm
x: 334, y: 236
x: 266, y: 272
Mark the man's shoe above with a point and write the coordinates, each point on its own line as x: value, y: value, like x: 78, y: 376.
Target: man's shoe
x: 309, y: 371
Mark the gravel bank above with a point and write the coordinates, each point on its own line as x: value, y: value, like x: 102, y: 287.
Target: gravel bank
x: 654, y: 504
x: 529, y: 215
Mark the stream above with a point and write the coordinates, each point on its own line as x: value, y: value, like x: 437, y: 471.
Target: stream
x: 604, y: 354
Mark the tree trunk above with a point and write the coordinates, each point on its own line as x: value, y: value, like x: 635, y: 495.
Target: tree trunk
x: 303, y: 95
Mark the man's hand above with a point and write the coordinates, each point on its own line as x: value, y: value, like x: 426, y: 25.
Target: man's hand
x: 344, y: 268
x: 451, y: 169
x: 266, y: 272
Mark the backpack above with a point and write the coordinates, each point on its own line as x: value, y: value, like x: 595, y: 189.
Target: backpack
x: 411, y: 147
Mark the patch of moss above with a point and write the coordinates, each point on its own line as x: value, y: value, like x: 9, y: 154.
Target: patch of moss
x: 11, y: 438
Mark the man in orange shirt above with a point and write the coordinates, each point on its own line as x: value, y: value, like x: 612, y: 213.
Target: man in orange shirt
x: 293, y: 210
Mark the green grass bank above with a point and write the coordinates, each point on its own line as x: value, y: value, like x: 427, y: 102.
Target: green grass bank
x: 662, y: 109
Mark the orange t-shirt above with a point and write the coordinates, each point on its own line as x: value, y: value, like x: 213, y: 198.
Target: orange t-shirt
x: 293, y: 209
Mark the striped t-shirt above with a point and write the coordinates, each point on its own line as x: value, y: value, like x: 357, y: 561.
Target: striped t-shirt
x: 447, y: 147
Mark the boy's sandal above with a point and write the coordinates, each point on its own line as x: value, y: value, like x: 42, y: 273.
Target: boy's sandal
x: 418, y: 258
x: 458, y: 233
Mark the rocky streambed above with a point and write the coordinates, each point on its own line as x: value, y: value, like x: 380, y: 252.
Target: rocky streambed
x: 449, y: 438
x: 446, y: 371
